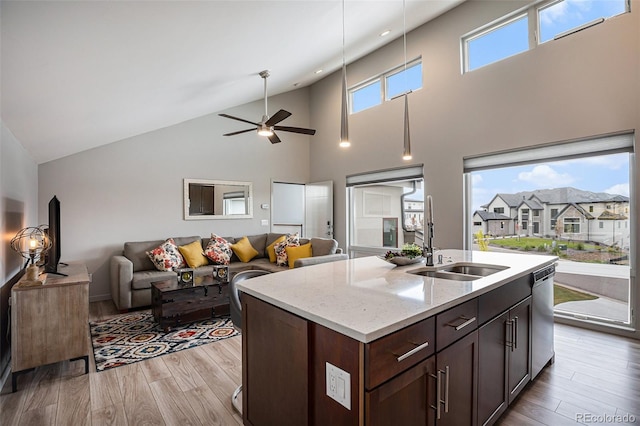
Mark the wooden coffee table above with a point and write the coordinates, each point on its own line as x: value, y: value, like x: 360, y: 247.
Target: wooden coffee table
x: 174, y: 304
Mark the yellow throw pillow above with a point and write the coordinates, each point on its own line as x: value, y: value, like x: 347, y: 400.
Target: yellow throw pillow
x: 272, y: 251
x: 244, y: 250
x: 300, y: 252
x: 192, y: 254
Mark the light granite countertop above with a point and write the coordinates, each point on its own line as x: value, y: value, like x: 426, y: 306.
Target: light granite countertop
x: 368, y: 298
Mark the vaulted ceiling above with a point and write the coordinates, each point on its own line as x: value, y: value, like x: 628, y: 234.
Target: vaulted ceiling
x: 79, y: 74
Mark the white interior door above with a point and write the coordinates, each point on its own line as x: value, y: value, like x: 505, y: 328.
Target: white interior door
x: 287, y: 207
x: 319, y: 210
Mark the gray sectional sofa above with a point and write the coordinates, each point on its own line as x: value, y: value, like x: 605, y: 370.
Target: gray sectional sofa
x: 133, y: 272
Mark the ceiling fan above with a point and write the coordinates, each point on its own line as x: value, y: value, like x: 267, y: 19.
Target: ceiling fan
x: 267, y: 125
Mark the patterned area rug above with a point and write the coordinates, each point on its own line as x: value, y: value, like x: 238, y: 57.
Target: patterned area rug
x: 134, y: 337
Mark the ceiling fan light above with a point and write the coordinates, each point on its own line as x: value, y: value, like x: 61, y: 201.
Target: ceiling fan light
x: 265, y: 131
x: 345, y: 144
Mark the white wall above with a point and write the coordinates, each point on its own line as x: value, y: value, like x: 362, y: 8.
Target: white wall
x: 131, y: 190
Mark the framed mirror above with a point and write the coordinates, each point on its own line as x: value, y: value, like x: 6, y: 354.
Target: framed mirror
x: 217, y: 199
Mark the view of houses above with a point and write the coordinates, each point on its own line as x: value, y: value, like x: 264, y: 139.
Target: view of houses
x: 566, y: 213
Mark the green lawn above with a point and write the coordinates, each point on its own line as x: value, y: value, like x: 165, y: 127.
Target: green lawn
x: 534, y: 242
x: 562, y: 294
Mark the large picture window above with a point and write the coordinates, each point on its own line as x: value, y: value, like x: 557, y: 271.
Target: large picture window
x: 386, y: 210
x: 582, y: 192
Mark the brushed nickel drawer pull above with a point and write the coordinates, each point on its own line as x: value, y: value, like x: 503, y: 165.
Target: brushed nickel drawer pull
x: 446, y: 389
x: 439, y: 400
x: 412, y: 351
x: 463, y: 325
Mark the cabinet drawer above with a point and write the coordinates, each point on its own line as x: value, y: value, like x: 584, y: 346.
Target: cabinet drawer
x: 392, y: 354
x: 455, y: 323
x: 502, y: 298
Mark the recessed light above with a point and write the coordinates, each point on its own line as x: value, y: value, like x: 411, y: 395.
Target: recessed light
x: 319, y: 71
x: 385, y: 33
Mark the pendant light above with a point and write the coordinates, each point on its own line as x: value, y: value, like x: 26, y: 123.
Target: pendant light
x: 407, y: 134
x: 344, y: 116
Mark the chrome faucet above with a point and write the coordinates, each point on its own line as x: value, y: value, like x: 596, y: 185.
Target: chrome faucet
x: 427, y: 243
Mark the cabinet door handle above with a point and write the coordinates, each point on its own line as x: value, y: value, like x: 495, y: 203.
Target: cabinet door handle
x: 437, y: 376
x: 459, y: 327
x: 446, y: 389
x: 508, y: 331
x: 412, y: 351
x: 515, y: 332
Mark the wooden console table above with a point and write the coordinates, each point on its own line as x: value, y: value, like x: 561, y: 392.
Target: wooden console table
x: 50, y: 322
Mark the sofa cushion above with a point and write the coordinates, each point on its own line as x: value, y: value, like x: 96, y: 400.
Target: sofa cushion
x: 265, y: 265
x: 166, y: 257
x: 292, y: 240
x: 244, y: 250
x: 323, y: 246
x: 295, y: 253
x: 271, y: 251
x: 259, y: 242
x: 136, y: 252
x: 218, y: 250
x: 192, y: 254
x: 143, y: 279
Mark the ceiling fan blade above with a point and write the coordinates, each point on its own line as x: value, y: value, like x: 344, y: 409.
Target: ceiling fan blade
x: 296, y: 130
x: 274, y: 138
x: 236, y: 118
x: 277, y: 117
x: 238, y: 132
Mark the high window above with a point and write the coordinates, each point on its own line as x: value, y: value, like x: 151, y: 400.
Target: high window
x: 386, y: 86
x: 559, y: 18
x: 525, y: 28
x: 496, y: 43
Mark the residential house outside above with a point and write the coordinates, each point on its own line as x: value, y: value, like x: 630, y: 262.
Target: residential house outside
x: 567, y: 213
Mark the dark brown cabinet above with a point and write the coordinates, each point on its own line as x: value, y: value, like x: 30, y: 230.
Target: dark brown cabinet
x: 457, y: 371
x: 504, y: 360
x: 275, y: 365
x: 460, y: 367
x: 408, y: 399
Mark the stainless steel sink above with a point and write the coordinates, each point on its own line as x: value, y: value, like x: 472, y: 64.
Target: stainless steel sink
x: 459, y: 271
x: 445, y: 275
x: 474, y: 269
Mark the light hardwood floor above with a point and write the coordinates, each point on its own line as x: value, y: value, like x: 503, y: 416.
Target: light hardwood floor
x: 595, y: 374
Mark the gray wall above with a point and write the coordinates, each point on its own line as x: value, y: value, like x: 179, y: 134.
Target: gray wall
x: 18, y: 209
x: 131, y: 190
x: 582, y: 85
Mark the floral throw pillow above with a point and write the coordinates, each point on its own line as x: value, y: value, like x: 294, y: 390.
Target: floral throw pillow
x: 218, y: 250
x: 292, y: 240
x: 167, y: 257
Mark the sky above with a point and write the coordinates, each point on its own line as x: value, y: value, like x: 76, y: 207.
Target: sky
x: 604, y: 173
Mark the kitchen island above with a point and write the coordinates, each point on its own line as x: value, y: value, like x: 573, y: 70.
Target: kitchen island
x: 362, y: 341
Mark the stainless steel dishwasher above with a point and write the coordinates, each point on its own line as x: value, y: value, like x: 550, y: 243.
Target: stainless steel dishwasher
x: 542, y: 319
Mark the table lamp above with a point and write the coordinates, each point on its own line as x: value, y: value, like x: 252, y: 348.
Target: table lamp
x: 31, y: 243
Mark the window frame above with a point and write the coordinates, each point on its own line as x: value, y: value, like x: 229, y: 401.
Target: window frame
x: 398, y: 70
x: 382, y: 79
x: 532, y: 13
x: 550, y: 3
x: 489, y: 28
